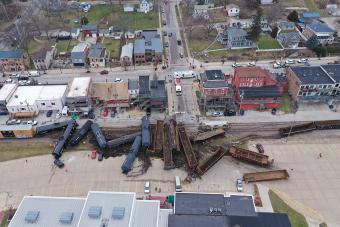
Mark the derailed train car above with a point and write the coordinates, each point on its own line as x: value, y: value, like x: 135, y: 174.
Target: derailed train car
x: 146, y: 131
x: 58, y: 149
x: 127, y: 164
x: 40, y: 130
x: 81, y: 133
x: 101, y: 141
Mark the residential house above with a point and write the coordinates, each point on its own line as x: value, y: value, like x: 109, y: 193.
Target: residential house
x: 126, y: 56
x: 129, y: 8
x: 13, y: 60
x: 235, y: 38
x: 201, y: 11
x: 64, y: 35
x: 289, y: 40
x: 98, y: 56
x: 309, y: 17
x: 77, y: 98
x: 266, y: 2
x: 42, y: 59
x: 145, y: 6
x: 215, y: 90
x: 139, y: 51
x: 240, y: 23
x: 333, y: 9
x: 90, y: 30
x: 116, y: 32
x: 103, y: 32
x: 113, y: 94
x: 79, y: 55
x: 265, y: 27
x: 286, y: 25
x: 130, y: 34
x: 233, y: 10
x: 311, y: 83
x: 324, y: 34
x: 133, y: 88
x: 75, y: 32
x: 256, y: 88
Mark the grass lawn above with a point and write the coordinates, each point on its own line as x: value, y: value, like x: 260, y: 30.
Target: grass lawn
x: 134, y: 20
x: 285, y: 104
x: 267, y: 42
x: 200, y: 45
x: 4, y: 223
x: 311, y: 5
x: 66, y: 45
x: 279, y: 206
x: 113, y: 46
x: 97, y: 13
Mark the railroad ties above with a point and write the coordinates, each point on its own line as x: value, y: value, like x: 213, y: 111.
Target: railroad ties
x: 159, y: 136
x: 188, y: 151
x: 167, y: 150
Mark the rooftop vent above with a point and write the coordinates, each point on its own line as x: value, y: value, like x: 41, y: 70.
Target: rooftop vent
x: 32, y: 216
x: 66, y: 218
x: 95, y: 212
x: 118, y: 212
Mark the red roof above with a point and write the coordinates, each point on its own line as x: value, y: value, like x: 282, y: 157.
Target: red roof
x: 252, y: 72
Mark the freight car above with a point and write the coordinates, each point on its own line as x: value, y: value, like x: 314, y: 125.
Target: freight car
x: 58, y: 149
x: 249, y: 156
x: 99, y: 136
x: 325, y: 125
x: 146, y: 131
x: 51, y: 127
x: 296, y: 129
x: 127, y: 164
x: 81, y: 133
x: 122, y: 140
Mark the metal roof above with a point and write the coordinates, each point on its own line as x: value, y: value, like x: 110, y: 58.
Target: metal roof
x: 240, y: 205
x: 139, y: 46
x: 79, y: 87
x: 163, y: 217
x: 11, y: 53
x: 312, y: 75
x: 15, y: 127
x: 332, y: 70
x: 212, y: 75
x: 320, y: 27
x: 146, y: 213
x: 158, y: 90
x: 6, y: 91
x: 215, y: 84
x: 97, y: 51
x: 144, y: 85
x: 91, y: 27
x: 127, y: 51
x: 156, y: 45
x: 133, y: 84
x: 49, y: 215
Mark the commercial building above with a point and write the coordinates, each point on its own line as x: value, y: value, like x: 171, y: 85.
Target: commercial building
x: 133, y: 88
x: 27, y: 101
x: 148, y: 48
x: 110, y: 94
x: 109, y: 209
x: 152, y: 94
x: 13, y: 60
x: 16, y: 131
x: 256, y: 88
x: 77, y: 98
x: 6, y: 93
x: 42, y: 59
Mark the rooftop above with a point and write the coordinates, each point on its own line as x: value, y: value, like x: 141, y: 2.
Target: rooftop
x: 144, y: 85
x: 320, y: 27
x: 79, y: 47
x: 333, y: 71
x: 51, y: 92
x: 146, y: 213
x: 252, y: 72
x: 110, y: 91
x: 215, y: 84
x: 158, y: 89
x: 139, y: 46
x: 97, y: 51
x: 127, y: 50
x: 212, y: 75
x: 91, y: 27
x: 133, y: 84
x: 260, y: 92
x: 50, y: 211
x: 149, y: 34
x: 11, y: 53
x: 15, y: 127
x: 79, y: 87
x: 311, y: 15
x: 156, y: 45
x: 6, y: 91
x: 312, y: 75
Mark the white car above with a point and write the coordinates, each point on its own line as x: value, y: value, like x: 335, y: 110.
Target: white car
x: 236, y: 65
x: 118, y: 80
x: 9, y: 81
x: 18, y: 122
x: 58, y: 115
x: 251, y: 64
x: 147, y: 187
x: 217, y: 114
x: 277, y: 66
x: 290, y: 61
x: 32, y: 122
x: 239, y: 185
x: 303, y: 60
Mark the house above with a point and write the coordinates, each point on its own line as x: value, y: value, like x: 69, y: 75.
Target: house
x: 148, y: 48
x: 103, y: 32
x: 324, y: 34
x: 235, y: 38
x: 133, y: 88
x: 215, y: 90
x: 130, y: 34
x: 116, y: 32
x: 266, y: 2
x: 286, y: 25
x: 27, y: 101
x: 126, y: 56
x: 233, y: 10
x: 145, y: 6
x: 309, y: 17
x: 256, y: 88
x: 64, y: 35
x: 98, y: 56
x: 6, y: 93
x: 201, y: 11
x: 42, y: 59
x: 113, y: 94
x: 13, y: 60
x: 289, y: 40
x: 139, y: 51
x: 129, y: 8
x: 265, y: 27
x: 221, y: 210
x: 240, y: 23
x: 79, y: 55
x: 75, y: 32
x: 90, y: 30
x: 333, y: 9
x: 77, y: 98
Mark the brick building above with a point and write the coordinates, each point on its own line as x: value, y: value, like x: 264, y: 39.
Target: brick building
x: 13, y: 60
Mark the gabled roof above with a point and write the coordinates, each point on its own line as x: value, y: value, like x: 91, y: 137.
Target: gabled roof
x: 91, y: 27
x: 252, y: 72
x: 232, y: 31
x: 11, y: 53
x: 320, y: 27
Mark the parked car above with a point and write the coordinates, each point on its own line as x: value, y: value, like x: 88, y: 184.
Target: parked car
x: 58, y: 163
x: 113, y: 113
x: 260, y: 148
x: 18, y: 122
x: 49, y: 113
x: 32, y: 122
x: 181, y: 55
x: 14, y: 75
x: 290, y: 61
x: 251, y: 64
x: 118, y: 80
x: 235, y: 65
x: 302, y: 60
x: 217, y: 114
x: 91, y: 114
x: 58, y: 116
x: 169, y: 34
x: 239, y: 185
x: 9, y: 81
x: 105, y: 112
x: 104, y: 72
x: 93, y: 154
x: 11, y: 122
x: 166, y: 44
x: 147, y: 187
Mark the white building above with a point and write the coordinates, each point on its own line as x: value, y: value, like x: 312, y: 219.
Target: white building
x: 27, y: 101
x: 128, y: 8
x: 6, y: 93
x: 126, y: 55
x: 233, y: 10
x: 145, y: 6
x: 77, y: 98
x: 264, y: 2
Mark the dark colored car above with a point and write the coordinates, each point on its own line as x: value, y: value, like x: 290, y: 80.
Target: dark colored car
x: 113, y: 113
x: 101, y: 156
x: 49, y: 113
x: 169, y: 34
x: 58, y: 163
x: 91, y: 114
x: 260, y: 148
x: 103, y: 72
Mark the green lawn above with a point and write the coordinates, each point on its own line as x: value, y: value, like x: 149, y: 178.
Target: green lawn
x: 4, y: 223
x: 286, y: 104
x: 200, y: 45
x: 97, y: 13
x: 311, y: 5
x: 113, y: 46
x: 66, y: 45
x: 296, y: 219
x: 267, y: 42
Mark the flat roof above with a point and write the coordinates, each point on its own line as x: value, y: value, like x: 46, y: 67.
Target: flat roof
x: 107, y: 201
x: 79, y: 87
x: 333, y: 71
x: 261, y: 92
x: 7, y: 90
x: 240, y: 205
x: 50, y: 210
x: 312, y: 75
x: 215, y: 84
x: 15, y: 127
x: 52, y: 92
x: 110, y: 91
x: 146, y: 213
x: 213, y: 75
x: 79, y: 47
x: 163, y: 217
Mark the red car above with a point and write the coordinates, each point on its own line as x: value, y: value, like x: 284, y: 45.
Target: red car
x: 105, y: 112
x: 103, y: 72
x: 93, y: 154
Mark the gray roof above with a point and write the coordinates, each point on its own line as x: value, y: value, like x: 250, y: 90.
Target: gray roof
x: 74, y: 30
x: 133, y: 84
x: 312, y: 75
x: 50, y: 210
x: 149, y: 34
x: 333, y: 71
x: 104, y: 30
x: 320, y: 27
x: 239, y: 206
x: 261, y: 92
x: 107, y: 201
x: 286, y: 24
x: 144, y: 85
x: 91, y: 27
x: 127, y: 50
x: 156, y: 45
x: 232, y: 31
x: 215, y: 84
x: 163, y: 217
x: 146, y: 213
x: 78, y: 51
x: 158, y: 91
x: 139, y: 46
x: 97, y: 51
x: 15, y: 127
x: 212, y: 75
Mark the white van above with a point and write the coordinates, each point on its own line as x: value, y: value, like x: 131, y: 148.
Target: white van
x: 34, y: 73
x: 147, y: 187
x: 64, y: 112
x: 178, y: 187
